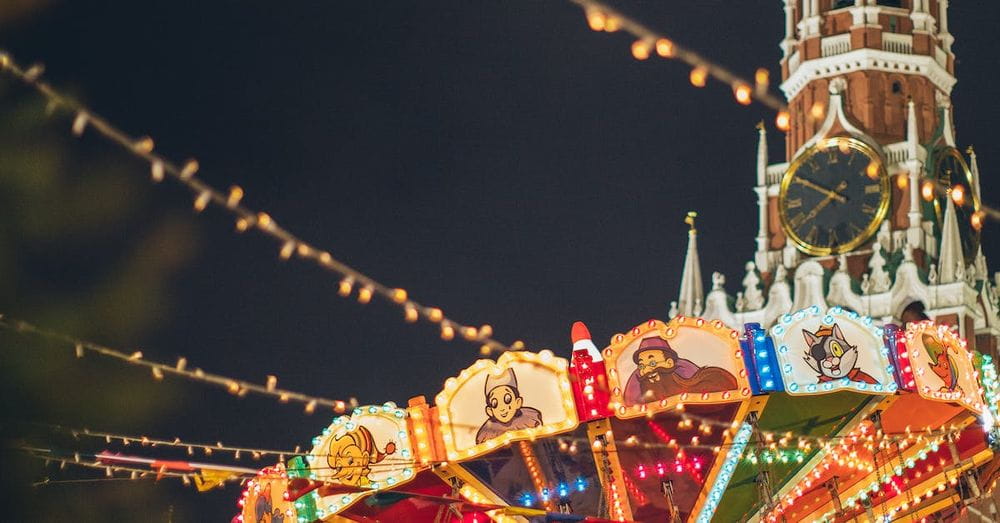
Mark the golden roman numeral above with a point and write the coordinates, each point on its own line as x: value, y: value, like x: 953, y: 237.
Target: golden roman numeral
x: 832, y: 157
x: 794, y: 203
x: 833, y: 238
x: 798, y: 220
x: 813, y: 235
x: 868, y: 209
x: 873, y: 189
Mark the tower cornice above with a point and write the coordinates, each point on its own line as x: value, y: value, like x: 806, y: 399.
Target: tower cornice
x: 867, y: 59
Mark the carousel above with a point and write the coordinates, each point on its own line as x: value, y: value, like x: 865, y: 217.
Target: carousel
x: 825, y: 416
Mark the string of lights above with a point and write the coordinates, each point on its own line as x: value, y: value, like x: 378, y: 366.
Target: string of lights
x: 351, y: 279
x: 181, y: 368
x: 601, y: 17
x: 242, y: 388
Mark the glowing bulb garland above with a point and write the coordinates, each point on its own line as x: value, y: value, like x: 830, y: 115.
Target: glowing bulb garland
x: 601, y: 17
x: 206, y: 195
x: 234, y: 386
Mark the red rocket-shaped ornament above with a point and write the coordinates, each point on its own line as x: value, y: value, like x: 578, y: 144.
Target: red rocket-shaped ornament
x: 590, y: 380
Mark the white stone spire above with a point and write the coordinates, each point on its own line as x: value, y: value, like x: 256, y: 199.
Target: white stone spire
x: 753, y: 299
x: 840, y: 289
x: 717, y: 303
x: 692, y: 295
x: 914, y: 234
x: 761, y: 190
x: 779, y: 296
x: 761, y: 153
x: 944, y: 106
x: 950, y: 261
x: 912, y: 135
x: 809, y: 286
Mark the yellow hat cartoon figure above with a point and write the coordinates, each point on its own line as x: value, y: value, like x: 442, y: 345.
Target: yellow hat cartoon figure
x: 351, y: 455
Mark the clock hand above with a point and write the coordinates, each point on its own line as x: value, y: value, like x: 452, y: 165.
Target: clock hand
x: 831, y: 195
x: 819, y: 188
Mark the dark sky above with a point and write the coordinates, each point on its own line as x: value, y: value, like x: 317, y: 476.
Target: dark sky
x: 497, y: 159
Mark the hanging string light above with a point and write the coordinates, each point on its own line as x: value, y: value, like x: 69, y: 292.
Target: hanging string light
x: 158, y: 370
x: 602, y: 17
x: 246, y: 218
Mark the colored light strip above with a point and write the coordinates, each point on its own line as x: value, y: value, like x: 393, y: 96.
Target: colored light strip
x: 725, y: 473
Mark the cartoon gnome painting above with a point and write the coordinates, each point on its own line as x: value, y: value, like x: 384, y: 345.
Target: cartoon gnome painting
x: 832, y: 357
x: 351, y: 456
x: 505, y: 410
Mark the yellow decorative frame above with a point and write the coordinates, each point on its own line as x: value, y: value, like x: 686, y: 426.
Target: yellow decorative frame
x: 964, y: 357
x: 559, y: 369
x: 348, y: 423
x: 667, y: 331
x: 880, y: 213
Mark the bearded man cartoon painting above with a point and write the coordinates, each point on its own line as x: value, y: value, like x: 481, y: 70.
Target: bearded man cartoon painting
x: 505, y: 410
x: 660, y: 373
x: 351, y: 455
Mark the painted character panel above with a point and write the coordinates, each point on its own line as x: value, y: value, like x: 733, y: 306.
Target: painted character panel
x: 661, y: 373
x: 832, y: 356
x: 505, y: 409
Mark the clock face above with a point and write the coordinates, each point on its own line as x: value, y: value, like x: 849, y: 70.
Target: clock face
x: 951, y: 171
x: 834, y: 196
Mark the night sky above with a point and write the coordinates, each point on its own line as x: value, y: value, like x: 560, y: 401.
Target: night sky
x: 499, y: 160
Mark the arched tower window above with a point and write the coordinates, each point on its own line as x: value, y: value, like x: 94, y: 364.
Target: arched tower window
x: 913, y: 313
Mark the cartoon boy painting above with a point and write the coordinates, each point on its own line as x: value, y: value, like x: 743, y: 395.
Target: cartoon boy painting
x: 661, y: 373
x: 505, y: 408
x: 351, y: 455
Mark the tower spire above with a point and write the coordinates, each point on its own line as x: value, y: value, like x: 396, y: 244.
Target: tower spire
x: 761, y: 153
x: 692, y: 295
x: 950, y: 261
x: 912, y: 136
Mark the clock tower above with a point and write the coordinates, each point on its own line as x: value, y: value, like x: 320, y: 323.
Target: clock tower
x: 849, y: 218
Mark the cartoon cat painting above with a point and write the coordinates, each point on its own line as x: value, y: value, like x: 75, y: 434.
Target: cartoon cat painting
x: 832, y: 357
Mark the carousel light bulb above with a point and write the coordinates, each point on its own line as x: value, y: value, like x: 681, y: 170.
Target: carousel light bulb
x: 664, y: 48
x: 435, y: 314
x: 902, y: 180
x: 783, y: 121
x: 410, y: 313
x: 144, y: 145
x: 202, y: 201
x: 817, y: 111
x: 762, y: 78
x: 927, y: 190
x: 596, y: 19
x: 399, y: 295
x: 958, y: 195
x: 447, y: 332
x: 235, y: 195
x: 640, y: 49
x: 742, y: 93
x: 345, y: 287
x: 698, y: 76
x: 365, y: 295
x: 189, y: 169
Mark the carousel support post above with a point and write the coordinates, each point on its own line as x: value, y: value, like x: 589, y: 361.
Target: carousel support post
x: 667, y: 488
x: 968, y: 476
x: 609, y: 468
x: 834, y: 487
x: 764, y: 489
